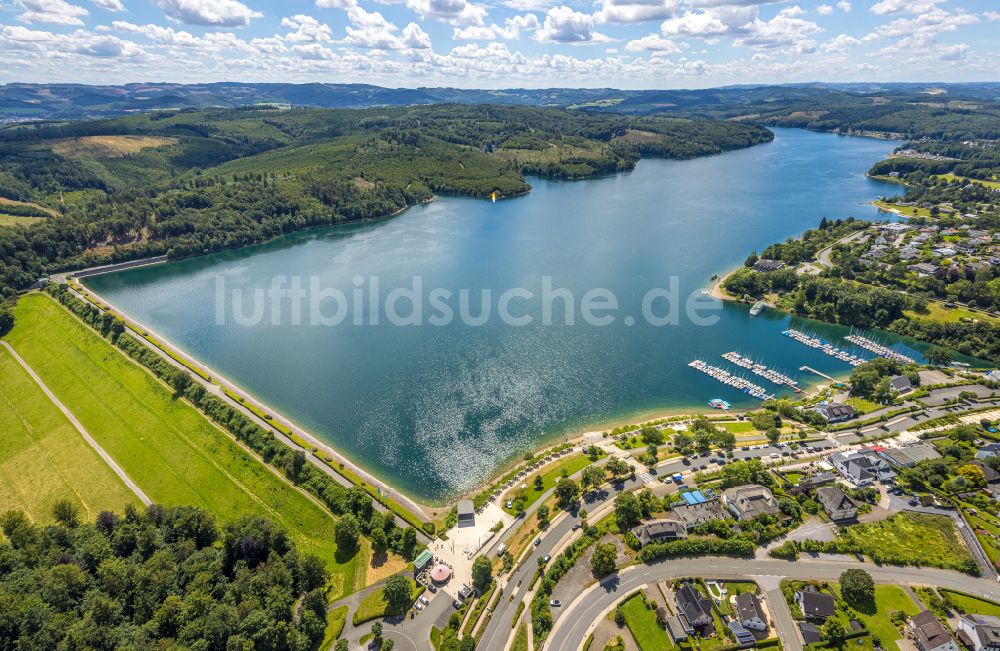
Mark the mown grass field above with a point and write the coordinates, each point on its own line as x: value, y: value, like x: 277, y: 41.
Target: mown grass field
x: 168, y: 448
x: 951, y: 177
x: 938, y: 312
x: 44, y: 459
x: 641, y: 623
x: 15, y: 220
x: 374, y: 604
x: 969, y: 604
x: 570, y: 465
x: 908, y: 211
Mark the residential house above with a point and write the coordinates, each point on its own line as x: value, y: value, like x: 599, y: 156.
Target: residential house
x: 909, y: 455
x: 694, y: 514
x: 988, y: 450
x: 810, y: 632
x: 991, y: 476
x: 747, y: 502
x: 743, y: 637
x: 815, y: 605
x: 945, y: 251
x: 765, y: 265
x: 909, y: 253
x: 836, y: 503
x: 659, y: 530
x: 924, y: 268
x: 929, y: 634
x: 693, y: 607
x: 979, y: 632
x: 815, y: 481
x: 750, y: 612
x: 836, y: 412
x: 900, y: 383
x: 965, y: 247
x: 862, y: 467
x: 976, y: 232
x: 880, y: 240
x: 894, y: 228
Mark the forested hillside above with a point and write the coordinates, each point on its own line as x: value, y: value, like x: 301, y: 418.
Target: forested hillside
x: 189, y: 182
x: 161, y: 578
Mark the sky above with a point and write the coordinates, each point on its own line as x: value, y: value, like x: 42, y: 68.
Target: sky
x: 500, y: 43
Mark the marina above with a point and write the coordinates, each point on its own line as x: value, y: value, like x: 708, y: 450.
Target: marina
x: 879, y: 349
x: 823, y: 346
x: 730, y: 379
x: 761, y: 370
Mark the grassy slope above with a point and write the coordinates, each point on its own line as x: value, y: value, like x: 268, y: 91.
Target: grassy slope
x: 920, y: 538
x: 971, y: 605
x: 174, y: 453
x: 887, y: 599
x: 43, y: 458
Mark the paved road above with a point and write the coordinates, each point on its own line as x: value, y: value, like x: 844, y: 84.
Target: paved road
x: 79, y: 427
x: 783, y: 621
x: 499, y: 629
x: 823, y: 255
x: 573, y: 628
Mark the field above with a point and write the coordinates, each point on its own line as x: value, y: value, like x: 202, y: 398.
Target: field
x: 642, y: 624
x: 167, y: 447
x: 106, y: 146
x: 738, y: 428
x: 906, y: 211
x: 43, y: 458
x: 912, y: 538
x: 969, y: 604
x: 570, y: 465
x: 15, y: 220
x: 938, y: 312
x: 951, y: 177
x: 373, y: 605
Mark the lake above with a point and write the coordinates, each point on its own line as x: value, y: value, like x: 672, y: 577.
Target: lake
x: 434, y: 410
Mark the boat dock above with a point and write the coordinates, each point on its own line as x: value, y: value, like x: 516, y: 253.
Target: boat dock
x: 729, y: 379
x: 760, y: 370
x: 879, y: 349
x: 819, y: 344
x: 819, y: 373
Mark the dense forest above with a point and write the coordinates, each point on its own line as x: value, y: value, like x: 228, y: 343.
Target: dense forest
x: 189, y: 182
x: 159, y: 578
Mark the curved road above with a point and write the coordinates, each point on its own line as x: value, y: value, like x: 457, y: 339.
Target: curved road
x: 574, y: 626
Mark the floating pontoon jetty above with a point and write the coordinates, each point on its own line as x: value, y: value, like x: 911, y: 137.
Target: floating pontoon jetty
x: 819, y: 344
x: 735, y: 381
x: 759, y: 369
x: 879, y: 349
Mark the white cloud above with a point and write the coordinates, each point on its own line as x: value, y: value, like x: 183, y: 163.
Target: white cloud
x: 919, y: 32
x: 564, y: 25
x: 510, y: 30
x: 528, y: 5
x: 719, y: 21
x: 57, y: 12
x: 307, y: 29
x: 824, y: 10
x: 841, y: 43
x: 992, y: 15
x: 218, y: 13
x: 844, y: 5
x: 109, y: 46
x: 415, y: 38
x: 903, y: 6
x: 653, y: 43
x: 109, y: 5
x: 784, y: 29
x: 458, y: 13
x: 636, y: 11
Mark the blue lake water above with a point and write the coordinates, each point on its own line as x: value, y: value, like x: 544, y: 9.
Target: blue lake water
x: 435, y: 409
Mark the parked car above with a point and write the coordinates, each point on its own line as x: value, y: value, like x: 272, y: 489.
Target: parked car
x: 546, y: 558
x: 424, y: 600
x: 538, y: 541
x: 419, y: 606
x: 555, y: 603
x: 456, y: 604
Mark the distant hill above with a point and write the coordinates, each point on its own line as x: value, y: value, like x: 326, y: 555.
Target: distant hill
x: 77, y: 101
